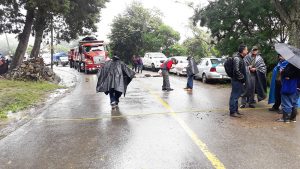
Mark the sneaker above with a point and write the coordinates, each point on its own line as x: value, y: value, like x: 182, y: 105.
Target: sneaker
x: 164, y: 89
x: 283, y: 120
x: 273, y: 109
x: 239, y: 113
x: 243, y: 106
x: 235, y: 115
x: 169, y: 90
x: 114, y: 105
x: 186, y: 88
x: 251, y: 106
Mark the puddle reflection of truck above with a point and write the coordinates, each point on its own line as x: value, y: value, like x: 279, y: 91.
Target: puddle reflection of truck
x: 89, y: 56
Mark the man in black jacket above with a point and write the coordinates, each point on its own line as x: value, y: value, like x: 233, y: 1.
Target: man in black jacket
x: 237, y: 80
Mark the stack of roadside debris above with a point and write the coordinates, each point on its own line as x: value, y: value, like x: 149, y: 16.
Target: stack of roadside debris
x: 33, y: 70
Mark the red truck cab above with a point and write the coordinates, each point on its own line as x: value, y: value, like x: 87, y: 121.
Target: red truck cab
x: 90, y: 56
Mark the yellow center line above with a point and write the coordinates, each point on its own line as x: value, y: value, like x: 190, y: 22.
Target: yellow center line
x: 200, y: 144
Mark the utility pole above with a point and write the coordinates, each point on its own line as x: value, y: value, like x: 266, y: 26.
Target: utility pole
x: 52, y: 49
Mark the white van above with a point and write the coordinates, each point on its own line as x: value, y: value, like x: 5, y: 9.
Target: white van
x: 153, y: 60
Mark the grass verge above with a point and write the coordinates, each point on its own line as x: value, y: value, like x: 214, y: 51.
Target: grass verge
x: 19, y: 95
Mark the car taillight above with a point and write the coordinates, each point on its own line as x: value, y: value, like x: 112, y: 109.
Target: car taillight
x: 213, y: 69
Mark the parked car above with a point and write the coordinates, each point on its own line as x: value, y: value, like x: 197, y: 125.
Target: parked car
x: 180, y: 67
x: 63, y: 60
x: 153, y: 60
x: 211, y: 69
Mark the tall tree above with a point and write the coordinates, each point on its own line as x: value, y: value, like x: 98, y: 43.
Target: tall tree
x: 253, y: 22
x: 139, y: 30
x: 289, y: 12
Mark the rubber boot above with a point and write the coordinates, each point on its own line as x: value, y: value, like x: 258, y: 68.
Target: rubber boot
x: 294, y: 115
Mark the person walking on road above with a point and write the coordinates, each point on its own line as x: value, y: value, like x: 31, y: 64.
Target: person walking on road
x: 289, y: 93
x: 134, y: 63
x: 140, y: 64
x: 191, y: 71
x: 165, y: 68
x: 275, y: 88
x: 113, y: 80
x: 238, y: 80
x: 256, y: 80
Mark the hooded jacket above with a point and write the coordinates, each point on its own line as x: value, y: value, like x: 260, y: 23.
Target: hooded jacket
x: 114, y: 75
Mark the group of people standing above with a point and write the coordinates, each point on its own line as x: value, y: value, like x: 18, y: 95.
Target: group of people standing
x: 137, y: 64
x: 249, y: 78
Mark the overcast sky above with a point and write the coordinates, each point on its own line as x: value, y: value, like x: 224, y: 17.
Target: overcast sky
x: 176, y: 14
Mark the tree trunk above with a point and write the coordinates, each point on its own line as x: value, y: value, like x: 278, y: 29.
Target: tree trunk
x: 294, y: 32
x: 23, y: 39
x: 39, y: 30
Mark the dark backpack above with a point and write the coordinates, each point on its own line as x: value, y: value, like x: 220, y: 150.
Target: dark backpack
x: 228, y: 65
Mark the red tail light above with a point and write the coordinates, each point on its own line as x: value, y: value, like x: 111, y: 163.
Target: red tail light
x: 213, y: 69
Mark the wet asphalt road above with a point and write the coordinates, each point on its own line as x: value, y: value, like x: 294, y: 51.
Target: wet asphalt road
x: 151, y: 130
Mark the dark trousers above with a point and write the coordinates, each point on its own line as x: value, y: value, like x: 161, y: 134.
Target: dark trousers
x: 236, y: 92
x: 114, y: 96
x: 166, y: 80
x: 140, y: 68
x: 277, y: 95
x: 134, y: 67
x: 190, y: 81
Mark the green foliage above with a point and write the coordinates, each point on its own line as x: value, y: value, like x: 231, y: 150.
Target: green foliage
x: 176, y: 50
x: 140, y: 30
x: 18, y: 95
x: 252, y: 22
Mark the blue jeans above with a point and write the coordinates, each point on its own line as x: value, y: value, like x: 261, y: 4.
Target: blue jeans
x: 114, y: 96
x: 236, y: 92
x: 289, y: 102
x: 190, y: 81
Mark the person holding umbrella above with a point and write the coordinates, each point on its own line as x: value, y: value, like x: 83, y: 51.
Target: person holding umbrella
x: 290, y: 78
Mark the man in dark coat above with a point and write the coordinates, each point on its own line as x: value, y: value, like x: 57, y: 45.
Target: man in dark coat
x: 113, y: 79
x: 238, y: 80
x: 191, y: 71
x: 256, y: 81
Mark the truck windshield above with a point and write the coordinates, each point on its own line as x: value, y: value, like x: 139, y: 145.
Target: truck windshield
x: 94, y: 48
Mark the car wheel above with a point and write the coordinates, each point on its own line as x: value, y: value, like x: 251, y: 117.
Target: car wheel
x: 178, y: 74
x: 153, y: 67
x: 204, y: 78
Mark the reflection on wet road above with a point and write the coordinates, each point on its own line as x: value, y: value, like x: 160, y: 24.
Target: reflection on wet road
x: 151, y: 129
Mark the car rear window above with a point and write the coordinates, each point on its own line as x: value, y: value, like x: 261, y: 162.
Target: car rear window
x: 217, y: 61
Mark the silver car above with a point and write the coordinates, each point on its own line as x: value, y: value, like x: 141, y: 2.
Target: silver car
x: 211, y: 69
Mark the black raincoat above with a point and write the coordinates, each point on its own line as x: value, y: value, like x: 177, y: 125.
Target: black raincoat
x: 192, y: 68
x: 114, y: 75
